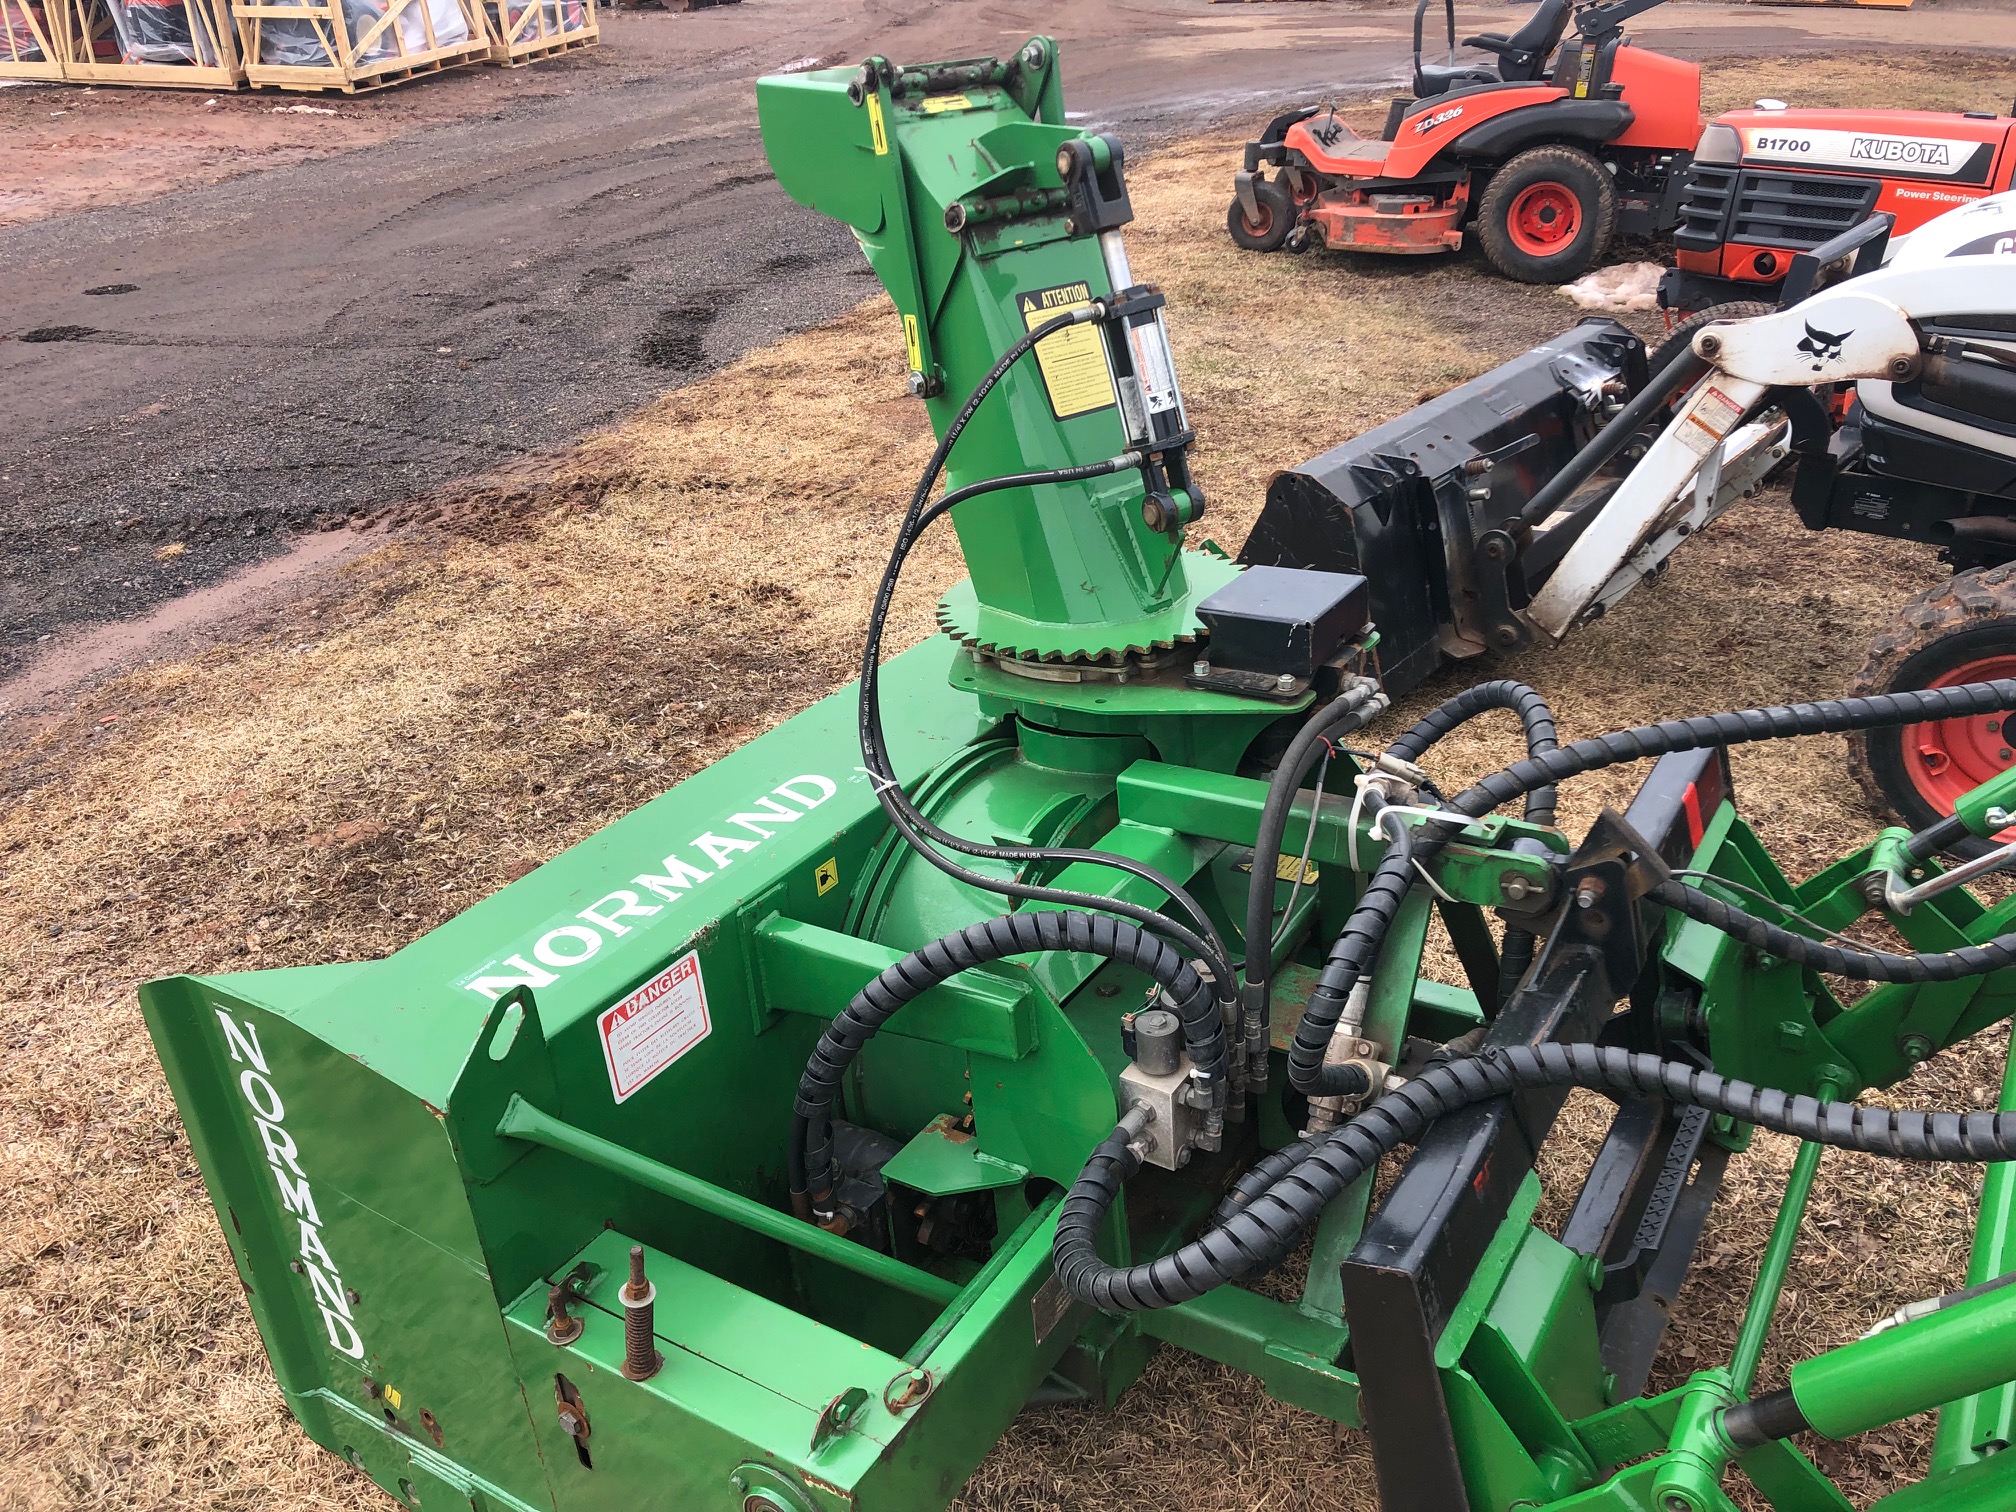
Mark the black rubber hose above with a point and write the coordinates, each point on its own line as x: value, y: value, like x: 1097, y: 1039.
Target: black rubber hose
x: 1348, y: 711
x: 919, y: 832
x: 1271, y: 1222
x: 1859, y: 965
x: 1515, y: 953
x: 993, y: 940
x: 1535, y: 717
x: 1358, y: 943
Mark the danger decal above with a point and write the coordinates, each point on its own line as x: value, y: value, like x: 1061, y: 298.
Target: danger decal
x: 654, y: 1026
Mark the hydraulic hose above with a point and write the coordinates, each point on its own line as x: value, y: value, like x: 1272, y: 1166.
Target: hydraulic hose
x: 1859, y: 965
x: 811, y: 1151
x: 1354, y: 707
x: 1515, y: 953
x: 1358, y: 943
x: 1270, y: 1223
x: 919, y: 832
x: 1535, y: 717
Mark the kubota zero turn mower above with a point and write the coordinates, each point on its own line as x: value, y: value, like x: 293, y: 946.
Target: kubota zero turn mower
x: 1545, y: 151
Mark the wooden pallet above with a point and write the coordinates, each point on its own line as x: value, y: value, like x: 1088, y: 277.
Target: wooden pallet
x: 184, y: 44
x: 524, y: 31
x: 349, y: 46
x: 28, y: 45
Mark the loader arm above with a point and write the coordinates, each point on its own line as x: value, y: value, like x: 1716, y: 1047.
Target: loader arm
x: 1723, y: 441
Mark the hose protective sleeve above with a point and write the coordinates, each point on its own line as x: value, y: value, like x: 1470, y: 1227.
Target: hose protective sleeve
x: 1277, y: 1217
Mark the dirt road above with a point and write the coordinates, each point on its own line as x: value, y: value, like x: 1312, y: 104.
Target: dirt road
x: 329, y: 337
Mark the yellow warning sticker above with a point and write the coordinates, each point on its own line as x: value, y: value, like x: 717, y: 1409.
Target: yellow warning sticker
x: 913, y: 346
x: 939, y: 104
x: 1289, y: 868
x: 827, y: 876
x: 1073, y: 361
x: 876, y: 128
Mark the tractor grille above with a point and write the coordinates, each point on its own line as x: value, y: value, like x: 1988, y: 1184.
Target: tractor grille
x: 1762, y: 208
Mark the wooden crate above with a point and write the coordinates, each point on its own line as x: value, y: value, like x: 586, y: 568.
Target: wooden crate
x: 524, y: 31
x: 353, y: 45
x: 29, y: 48
x: 179, y: 44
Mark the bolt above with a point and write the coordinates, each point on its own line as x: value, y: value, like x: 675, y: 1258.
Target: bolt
x: 1514, y: 888
x: 1200, y: 669
x: 1994, y: 725
x: 641, y: 1359
x: 2005, y: 753
x: 1590, y: 893
x: 350, y: 1294
x: 372, y: 1389
x: 1711, y: 348
x: 916, y: 385
x: 297, y: 1267
x: 1998, y: 818
x: 1914, y: 1047
x: 1675, y: 1502
x: 1900, y: 368
x: 1285, y: 682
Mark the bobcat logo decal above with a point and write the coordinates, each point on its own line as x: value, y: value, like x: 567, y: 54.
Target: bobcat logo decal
x: 1823, y: 346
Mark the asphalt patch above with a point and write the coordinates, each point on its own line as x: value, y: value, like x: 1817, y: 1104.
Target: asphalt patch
x: 59, y: 333
x: 677, y: 339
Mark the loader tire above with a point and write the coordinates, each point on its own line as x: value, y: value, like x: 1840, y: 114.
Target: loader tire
x: 1548, y: 214
x: 1277, y: 218
x: 1962, y: 631
x: 1681, y: 337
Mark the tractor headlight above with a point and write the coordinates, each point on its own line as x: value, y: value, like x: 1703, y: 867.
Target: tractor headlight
x: 1719, y: 144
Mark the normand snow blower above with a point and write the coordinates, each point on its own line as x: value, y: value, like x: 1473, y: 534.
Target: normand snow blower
x: 1029, y: 1003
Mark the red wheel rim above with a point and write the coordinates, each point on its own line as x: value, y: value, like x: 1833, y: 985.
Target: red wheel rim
x: 1544, y: 218
x: 1947, y: 758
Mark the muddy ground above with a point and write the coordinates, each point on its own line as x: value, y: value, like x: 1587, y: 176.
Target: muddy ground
x: 480, y: 267
x: 494, y: 684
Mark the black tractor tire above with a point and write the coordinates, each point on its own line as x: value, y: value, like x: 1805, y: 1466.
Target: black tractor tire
x: 1277, y: 217
x: 1681, y: 337
x: 1964, y: 630
x: 1547, y: 215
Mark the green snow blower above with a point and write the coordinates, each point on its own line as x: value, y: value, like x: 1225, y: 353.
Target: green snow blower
x: 1019, y: 1008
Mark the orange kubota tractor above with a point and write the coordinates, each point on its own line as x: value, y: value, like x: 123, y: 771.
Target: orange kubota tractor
x: 1544, y: 149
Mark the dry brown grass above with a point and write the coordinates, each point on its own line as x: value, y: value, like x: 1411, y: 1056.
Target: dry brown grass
x: 465, y: 703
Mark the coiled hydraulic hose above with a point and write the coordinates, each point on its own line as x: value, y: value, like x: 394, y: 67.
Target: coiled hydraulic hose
x: 1350, y: 710
x: 1271, y: 1222
x: 810, y: 1152
x: 1358, y: 943
x: 1515, y: 954
x: 1204, y: 943
x: 1535, y: 717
